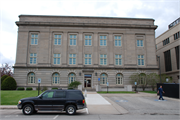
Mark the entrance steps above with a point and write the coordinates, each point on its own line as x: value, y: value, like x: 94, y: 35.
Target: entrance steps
x: 89, y: 89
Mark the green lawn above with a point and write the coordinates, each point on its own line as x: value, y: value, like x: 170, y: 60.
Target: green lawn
x: 116, y: 92
x: 11, y: 97
x: 152, y: 92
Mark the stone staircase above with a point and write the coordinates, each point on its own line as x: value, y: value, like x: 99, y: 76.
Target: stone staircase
x: 89, y: 89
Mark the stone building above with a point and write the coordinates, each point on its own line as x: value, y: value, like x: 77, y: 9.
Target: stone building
x: 168, y: 49
x: 62, y: 49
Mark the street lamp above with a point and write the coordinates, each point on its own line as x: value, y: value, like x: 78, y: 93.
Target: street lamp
x: 159, y: 68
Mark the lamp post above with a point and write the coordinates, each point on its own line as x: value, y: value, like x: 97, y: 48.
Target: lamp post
x: 159, y: 68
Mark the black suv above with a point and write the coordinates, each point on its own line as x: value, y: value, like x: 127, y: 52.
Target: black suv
x: 53, y: 100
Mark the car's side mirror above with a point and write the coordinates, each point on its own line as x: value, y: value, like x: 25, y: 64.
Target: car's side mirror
x: 40, y: 97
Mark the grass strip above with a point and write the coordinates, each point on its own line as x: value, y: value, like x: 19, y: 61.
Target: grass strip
x: 152, y: 92
x: 11, y: 97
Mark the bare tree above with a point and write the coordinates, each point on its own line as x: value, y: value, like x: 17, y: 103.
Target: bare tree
x: 6, y: 69
x: 134, y: 78
x: 152, y: 79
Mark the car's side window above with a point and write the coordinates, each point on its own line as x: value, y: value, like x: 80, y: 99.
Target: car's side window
x: 48, y: 95
x: 60, y: 94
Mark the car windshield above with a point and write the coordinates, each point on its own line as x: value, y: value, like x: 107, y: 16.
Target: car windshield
x: 41, y: 94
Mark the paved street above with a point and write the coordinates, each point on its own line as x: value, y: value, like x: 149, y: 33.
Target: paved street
x: 115, y: 107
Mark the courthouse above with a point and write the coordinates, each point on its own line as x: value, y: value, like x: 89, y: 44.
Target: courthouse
x: 92, y: 50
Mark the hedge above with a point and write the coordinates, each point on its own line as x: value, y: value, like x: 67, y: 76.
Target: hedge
x: 20, y: 88
x: 3, y: 78
x: 54, y: 88
x: 29, y: 88
x: 9, y: 84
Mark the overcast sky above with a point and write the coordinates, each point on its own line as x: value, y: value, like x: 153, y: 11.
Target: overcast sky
x: 163, y: 12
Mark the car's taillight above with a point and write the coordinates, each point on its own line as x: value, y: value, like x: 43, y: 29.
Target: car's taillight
x: 83, y: 101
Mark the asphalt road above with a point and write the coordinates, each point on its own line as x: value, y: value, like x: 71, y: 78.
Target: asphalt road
x: 13, y: 114
x: 139, y: 107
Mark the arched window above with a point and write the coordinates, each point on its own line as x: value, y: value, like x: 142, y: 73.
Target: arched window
x: 119, y: 79
x: 56, y: 78
x: 103, y: 78
x: 31, y: 78
x: 142, y: 79
x: 72, y: 77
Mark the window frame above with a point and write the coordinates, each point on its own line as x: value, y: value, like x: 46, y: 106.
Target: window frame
x: 73, y: 38
x: 34, y: 78
x: 106, y: 80
x: 32, y: 59
x: 88, y: 59
x: 88, y: 39
x: 58, y: 81
x: 74, y: 78
x: 73, y: 59
x: 141, y: 60
x: 117, y: 40
x: 56, y: 58
x: 118, y: 59
x: 34, y: 33
x: 103, y: 59
x: 57, y: 38
x: 103, y: 40
x: 121, y: 79
x: 140, y: 43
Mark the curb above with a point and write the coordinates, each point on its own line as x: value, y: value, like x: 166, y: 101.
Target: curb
x: 8, y: 107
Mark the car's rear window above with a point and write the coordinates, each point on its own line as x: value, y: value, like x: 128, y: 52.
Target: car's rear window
x: 75, y: 94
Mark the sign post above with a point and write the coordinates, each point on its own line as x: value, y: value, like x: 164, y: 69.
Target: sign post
x: 107, y: 86
x: 39, y: 81
x: 135, y: 83
x: 99, y: 81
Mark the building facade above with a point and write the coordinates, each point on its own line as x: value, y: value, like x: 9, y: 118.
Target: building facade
x: 92, y: 50
x: 168, y: 49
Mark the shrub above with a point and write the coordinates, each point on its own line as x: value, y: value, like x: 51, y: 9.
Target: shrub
x: 20, y: 88
x: 54, y: 88
x: 9, y: 84
x: 74, y: 84
x: 3, y: 78
x: 29, y: 88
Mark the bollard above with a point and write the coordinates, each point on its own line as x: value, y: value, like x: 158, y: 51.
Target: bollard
x: 85, y: 93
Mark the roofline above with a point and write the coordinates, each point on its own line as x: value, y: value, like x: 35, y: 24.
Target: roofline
x: 66, y: 16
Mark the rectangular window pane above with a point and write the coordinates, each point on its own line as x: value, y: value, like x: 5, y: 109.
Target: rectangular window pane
x: 74, y: 61
x: 70, y: 60
x: 58, y: 62
x: 54, y: 60
x: 89, y: 42
x: 119, y: 61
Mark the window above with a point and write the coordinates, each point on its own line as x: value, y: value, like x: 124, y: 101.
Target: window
x: 140, y: 43
x: 167, y: 58
x: 88, y: 40
x: 60, y: 94
x: 73, y: 39
x: 57, y: 39
x: 142, y: 79
x: 55, y: 78
x: 72, y: 77
x: 33, y: 58
x: 72, y: 59
x: 166, y: 41
x: 88, y: 59
x: 103, y: 59
x: 74, y: 94
x: 103, y: 40
x: 140, y: 59
x: 118, y: 59
x: 117, y: 40
x: 34, y: 39
x: 57, y: 58
x: 119, y: 79
x: 177, y: 56
x: 103, y: 78
x: 48, y: 94
x: 31, y: 78
x: 177, y: 35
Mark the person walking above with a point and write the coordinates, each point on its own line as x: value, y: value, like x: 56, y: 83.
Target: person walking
x: 160, y: 91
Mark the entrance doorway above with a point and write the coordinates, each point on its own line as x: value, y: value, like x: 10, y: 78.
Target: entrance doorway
x: 87, y: 80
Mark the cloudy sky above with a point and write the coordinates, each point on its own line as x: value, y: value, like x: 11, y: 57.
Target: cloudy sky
x: 163, y: 12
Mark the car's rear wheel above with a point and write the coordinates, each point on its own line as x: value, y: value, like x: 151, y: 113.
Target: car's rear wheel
x: 28, y: 109
x: 70, y: 110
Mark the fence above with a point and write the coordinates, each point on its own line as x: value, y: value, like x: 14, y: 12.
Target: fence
x: 170, y: 89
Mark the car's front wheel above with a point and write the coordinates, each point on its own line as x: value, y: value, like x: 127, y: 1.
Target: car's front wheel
x: 28, y: 109
x: 70, y: 110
